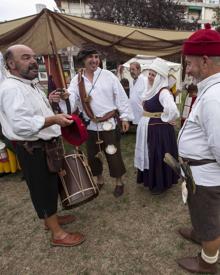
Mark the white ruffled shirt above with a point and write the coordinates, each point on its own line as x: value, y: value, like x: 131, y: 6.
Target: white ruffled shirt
x: 199, y: 137
x: 107, y: 95
x: 170, y: 113
x: 23, y: 110
x: 136, y: 97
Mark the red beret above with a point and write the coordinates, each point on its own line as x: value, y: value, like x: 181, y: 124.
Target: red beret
x: 203, y: 42
x: 76, y: 133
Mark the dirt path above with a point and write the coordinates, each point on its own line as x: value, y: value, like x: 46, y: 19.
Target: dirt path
x: 131, y: 235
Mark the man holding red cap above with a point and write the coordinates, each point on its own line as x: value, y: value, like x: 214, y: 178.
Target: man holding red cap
x: 199, y: 148
x: 27, y: 119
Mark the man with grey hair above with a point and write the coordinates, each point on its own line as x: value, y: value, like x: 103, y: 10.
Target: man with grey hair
x: 199, y: 148
x: 137, y: 87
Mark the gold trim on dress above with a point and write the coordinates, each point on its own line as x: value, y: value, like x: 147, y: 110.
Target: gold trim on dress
x: 153, y: 115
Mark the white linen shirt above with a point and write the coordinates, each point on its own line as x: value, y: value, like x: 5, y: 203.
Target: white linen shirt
x: 23, y: 110
x: 107, y: 95
x: 199, y: 137
x: 136, y: 98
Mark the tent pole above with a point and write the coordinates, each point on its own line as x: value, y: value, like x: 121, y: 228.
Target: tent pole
x: 56, y: 53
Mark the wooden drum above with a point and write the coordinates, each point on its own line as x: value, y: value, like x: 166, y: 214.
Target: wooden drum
x: 77, y: 181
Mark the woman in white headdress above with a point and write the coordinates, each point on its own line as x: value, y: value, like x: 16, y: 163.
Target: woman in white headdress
x: 155, y: 132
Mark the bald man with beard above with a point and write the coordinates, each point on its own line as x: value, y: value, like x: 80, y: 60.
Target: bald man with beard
x: 28, y: 120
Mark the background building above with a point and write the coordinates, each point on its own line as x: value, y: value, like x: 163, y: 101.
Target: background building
x: 74, y: 7
x: 200, y: 10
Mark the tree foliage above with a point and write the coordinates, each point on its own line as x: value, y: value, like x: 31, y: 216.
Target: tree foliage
x: 163, y: 14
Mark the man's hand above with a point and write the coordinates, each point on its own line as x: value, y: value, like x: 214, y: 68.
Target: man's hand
x: 65, y: 94
x: 56, y: 95
x: 125, y: 126
x: 61, y: 119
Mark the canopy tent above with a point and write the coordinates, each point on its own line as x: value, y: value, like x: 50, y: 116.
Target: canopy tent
x: 37, y: 31
x: 175, y: 69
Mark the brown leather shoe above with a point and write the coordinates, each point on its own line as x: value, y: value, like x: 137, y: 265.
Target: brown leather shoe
x: 70, y: 239
x: 119, y: 190
x: 197, y: 265
x: 189, y: 234
x: 62, y: 220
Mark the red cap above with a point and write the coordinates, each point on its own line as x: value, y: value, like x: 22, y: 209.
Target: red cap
x: 76, y: 133
x: 203, y: 42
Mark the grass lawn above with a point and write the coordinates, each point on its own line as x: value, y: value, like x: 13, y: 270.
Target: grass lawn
x: 134, y: 234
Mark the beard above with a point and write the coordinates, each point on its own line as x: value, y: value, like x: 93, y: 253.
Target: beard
x: 28, y: 73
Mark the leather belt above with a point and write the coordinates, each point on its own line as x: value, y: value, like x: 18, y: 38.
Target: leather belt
x: 198, y: 162
x: 30, y: 145
x: 107, y: 116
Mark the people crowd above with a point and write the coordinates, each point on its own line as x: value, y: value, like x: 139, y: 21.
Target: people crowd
x: 108, y: 110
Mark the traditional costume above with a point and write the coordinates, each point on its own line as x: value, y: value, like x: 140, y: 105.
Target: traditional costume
x: 101, y: 102
x: 23, y: 108
x: 199, y: 147
x: 137, y: 88
x: 155, y: 136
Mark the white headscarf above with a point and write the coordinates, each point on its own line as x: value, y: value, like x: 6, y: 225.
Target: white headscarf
x: 159, y: 82
x: 161, y: 79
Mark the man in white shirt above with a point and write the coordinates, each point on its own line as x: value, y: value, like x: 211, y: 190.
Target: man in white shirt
x: 137, y: 87
x: 199, y: 147
x: 28, y: 120
x: 101, y: 97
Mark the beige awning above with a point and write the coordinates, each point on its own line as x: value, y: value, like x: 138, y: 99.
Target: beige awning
x: 36, y: 31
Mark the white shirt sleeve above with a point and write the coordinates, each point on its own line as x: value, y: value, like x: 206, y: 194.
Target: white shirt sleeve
x: 121, y: 101
x: 170, y: 111
x: 21, y: 117
x: 73, y: 98
x: 210, y: 123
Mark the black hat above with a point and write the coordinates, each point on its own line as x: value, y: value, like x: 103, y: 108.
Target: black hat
x: 84, y: 52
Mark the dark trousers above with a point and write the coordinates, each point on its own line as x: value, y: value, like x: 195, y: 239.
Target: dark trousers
x: 115, y: 162
x: 204, y: 209
x: 42, y: 184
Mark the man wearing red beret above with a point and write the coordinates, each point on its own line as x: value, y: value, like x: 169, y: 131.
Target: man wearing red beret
x: 199, y: 147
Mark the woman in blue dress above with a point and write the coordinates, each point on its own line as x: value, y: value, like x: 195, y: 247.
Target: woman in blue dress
x: 155, y: 132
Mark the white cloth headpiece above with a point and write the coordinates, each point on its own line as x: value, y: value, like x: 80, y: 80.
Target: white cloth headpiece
x: 160, y: 66
x: 160, y: 80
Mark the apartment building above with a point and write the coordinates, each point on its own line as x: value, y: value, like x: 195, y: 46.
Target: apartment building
x: 74, y: 7
x: 202, y: 11
x: 195, y: 10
